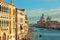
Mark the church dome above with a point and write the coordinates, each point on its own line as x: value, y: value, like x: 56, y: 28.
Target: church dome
x: 49, y: 18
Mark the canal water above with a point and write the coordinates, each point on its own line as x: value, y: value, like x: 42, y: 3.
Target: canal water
x: 45, y: 34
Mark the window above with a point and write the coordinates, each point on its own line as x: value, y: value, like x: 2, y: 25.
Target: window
x: 7, y: 23
x: 21, y: 14
x: 4, y: 9
x: 14, y: 11
x: 10, y: 26
x: 0, y: 22
x: 0, y: 7
x: 14, y: 24
x: 10, y: 23
x: 4, y: 22
x: 21, y: 20
x: 21, y: 26
x: 10, y: 10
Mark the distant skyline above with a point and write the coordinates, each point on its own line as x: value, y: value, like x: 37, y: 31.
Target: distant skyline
x: 35, y: 8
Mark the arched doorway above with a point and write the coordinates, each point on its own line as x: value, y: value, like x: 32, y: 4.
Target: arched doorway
x: 4, y: 36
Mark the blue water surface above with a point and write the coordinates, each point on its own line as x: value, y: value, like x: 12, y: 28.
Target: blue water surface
x: 46, y: 34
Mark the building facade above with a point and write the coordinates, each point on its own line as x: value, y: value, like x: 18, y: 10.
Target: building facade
x: 22, y: 25
x: 12, y: 22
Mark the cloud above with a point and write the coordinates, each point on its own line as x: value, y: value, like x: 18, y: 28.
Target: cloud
x: 34, y: 15
x: 56, y: 19
x: 53, y: 11
x: 38, y: 12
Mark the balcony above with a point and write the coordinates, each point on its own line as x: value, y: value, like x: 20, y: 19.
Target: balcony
x: 4, y: 28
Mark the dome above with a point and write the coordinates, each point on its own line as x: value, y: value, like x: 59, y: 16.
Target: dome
x: 48, y: 18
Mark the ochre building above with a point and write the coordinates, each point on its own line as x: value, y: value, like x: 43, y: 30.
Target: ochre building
x: 22, y: 23
x: 13, y: 22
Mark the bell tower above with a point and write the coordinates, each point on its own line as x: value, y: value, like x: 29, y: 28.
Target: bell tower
x: 43, y: 18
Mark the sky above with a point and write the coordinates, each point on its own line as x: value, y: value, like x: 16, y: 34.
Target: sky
x: 35, y: 8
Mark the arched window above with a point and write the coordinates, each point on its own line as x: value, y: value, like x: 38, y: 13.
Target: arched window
x: 4, y: 36
x: 2, y: 8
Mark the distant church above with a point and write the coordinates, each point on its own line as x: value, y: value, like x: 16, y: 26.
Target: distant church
x: 47, y: 23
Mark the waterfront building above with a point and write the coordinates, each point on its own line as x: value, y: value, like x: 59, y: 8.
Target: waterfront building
x: 6, y: 21
x: 13, y: 24
x: 48, y: 23
x: 22, y: 26
x: 41, y: 21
